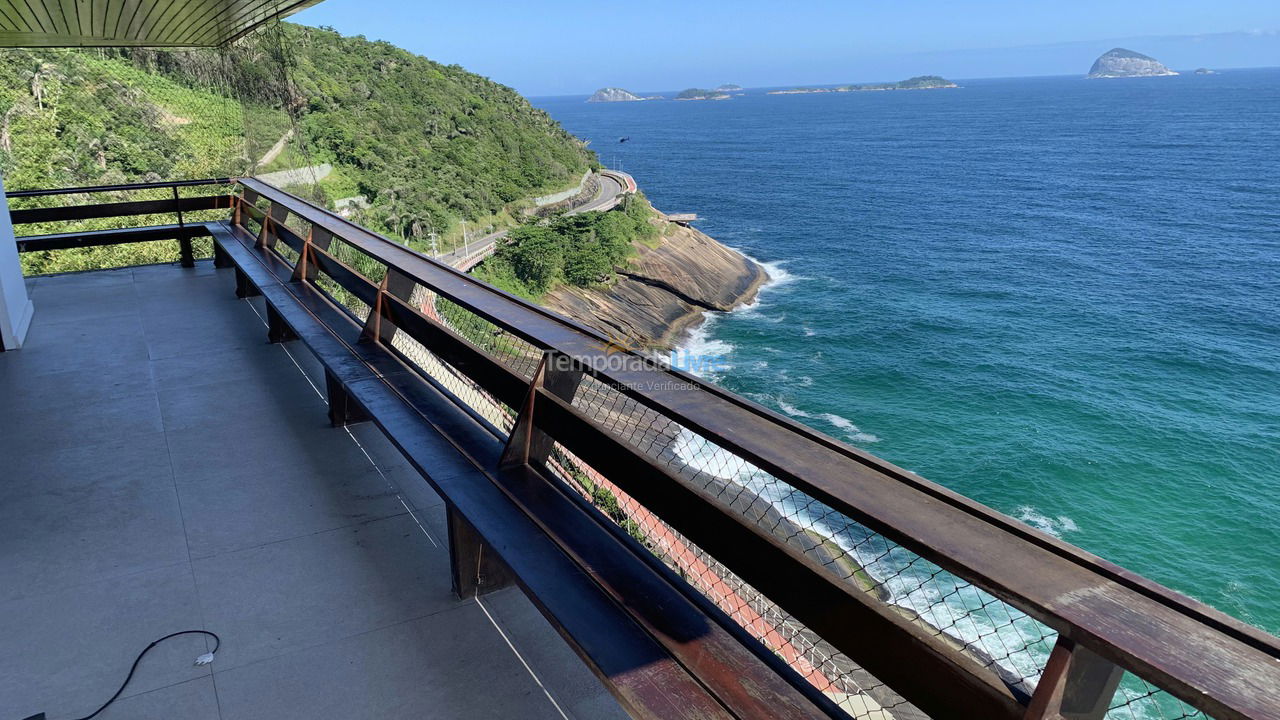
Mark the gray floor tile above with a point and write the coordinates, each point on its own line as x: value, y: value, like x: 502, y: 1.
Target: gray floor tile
x: 197, y: 332
x: 191, y: 700
x: 563, y: 673
x: 62, y: 299
x: 60, y: 423
x: 66, y: 473
x: 260, y: 362
x: 95, y: 346
x: 449, y: 665
x: 28, y: 393
x: 250, y: 399
x: 81, y: 528
x: 311, y: 590
x: 248, y: 507
x: 298, y: 437
x: 67, y: 652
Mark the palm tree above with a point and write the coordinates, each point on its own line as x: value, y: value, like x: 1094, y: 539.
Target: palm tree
x: 38, y: 77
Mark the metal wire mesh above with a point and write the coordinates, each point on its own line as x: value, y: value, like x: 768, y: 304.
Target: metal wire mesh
x: 1137, y: 699
x: 999, y: 636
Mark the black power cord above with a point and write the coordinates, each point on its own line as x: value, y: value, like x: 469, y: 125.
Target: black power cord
x: 202, y: 660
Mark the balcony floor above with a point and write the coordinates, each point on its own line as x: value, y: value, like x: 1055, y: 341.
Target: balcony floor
x: 163, y: 468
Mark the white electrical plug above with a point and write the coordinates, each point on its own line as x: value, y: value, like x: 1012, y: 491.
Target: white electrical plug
x: 204, y: 659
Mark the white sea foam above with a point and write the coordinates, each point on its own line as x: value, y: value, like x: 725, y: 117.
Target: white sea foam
x: 853, y: 432
x: 696, y: 351
x: 778, y: 275
x: 792, y: 410
x: 698, y: 341
x: 1055, y: 526
x: 846, y: 426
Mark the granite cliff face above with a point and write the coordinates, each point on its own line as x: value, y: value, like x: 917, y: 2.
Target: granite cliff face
x: 613, y: 94
x: 665, y: 290
x: 1120, y: 63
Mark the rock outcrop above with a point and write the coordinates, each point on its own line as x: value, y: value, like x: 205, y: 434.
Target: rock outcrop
x: 665, y: 290
x: 1121, y: 63
x: 613, y: 94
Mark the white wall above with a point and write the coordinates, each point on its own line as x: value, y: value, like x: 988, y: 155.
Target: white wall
x: 15, y: 307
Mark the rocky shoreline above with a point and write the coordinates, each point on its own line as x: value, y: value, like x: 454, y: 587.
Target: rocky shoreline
x: 666, y: 290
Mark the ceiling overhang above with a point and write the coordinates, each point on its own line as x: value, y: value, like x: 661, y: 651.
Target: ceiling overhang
x: 136, y: 23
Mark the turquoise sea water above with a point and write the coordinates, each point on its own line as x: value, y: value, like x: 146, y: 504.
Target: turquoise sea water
x: 1057, y: 296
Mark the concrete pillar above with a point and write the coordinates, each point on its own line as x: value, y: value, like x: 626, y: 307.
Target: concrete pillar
x: 15, y: 306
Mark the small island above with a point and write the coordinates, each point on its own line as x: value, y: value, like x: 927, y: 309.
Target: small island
x: 1206, y: 71
x: 1121, y: 63
x: 700, y: 94
x: 920, y: 82
x: 728, y: 88
x: 614, y: 94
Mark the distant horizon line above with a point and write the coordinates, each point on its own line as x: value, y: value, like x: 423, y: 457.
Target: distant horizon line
x: 841, y: 84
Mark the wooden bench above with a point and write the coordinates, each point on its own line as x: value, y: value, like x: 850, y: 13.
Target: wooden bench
x: 661, y: 651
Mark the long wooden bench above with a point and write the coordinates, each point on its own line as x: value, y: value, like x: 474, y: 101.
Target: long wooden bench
x: 660, y: 652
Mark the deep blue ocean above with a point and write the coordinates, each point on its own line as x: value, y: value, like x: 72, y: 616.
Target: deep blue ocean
x: 1057, y: 296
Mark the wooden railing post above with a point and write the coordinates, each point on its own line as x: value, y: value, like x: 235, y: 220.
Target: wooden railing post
x: 376, y: 327
x: 1077, y: 684
x: 528, y: 444
x: 277, y: 214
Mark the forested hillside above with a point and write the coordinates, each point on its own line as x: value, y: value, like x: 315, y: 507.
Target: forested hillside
x: 426, y: 145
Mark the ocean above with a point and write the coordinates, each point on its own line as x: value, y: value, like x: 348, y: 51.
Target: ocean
x: 1059, y: 297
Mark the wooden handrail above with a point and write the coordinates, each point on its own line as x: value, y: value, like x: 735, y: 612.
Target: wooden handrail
x: 117, y: 188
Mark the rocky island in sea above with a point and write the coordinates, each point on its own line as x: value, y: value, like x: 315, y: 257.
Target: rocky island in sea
x: 615, y: 94
x: 729, y: 87
x: 1206, y: 71
x: 701, y: 94
x: 1121, y: 63
x: 920, y: 82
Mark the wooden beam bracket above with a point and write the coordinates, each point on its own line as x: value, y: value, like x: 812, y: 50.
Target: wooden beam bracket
x: 1077, y: 684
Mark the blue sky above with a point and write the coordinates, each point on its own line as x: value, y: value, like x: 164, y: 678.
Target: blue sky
x: 574, y: 47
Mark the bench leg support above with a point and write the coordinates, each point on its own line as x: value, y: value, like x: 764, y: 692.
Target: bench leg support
x: 277, y: 329
x: 343, y: 410
x: 188, y: 259
x: 220, y: 257
x: 244, y: 286
x: 477, y: 570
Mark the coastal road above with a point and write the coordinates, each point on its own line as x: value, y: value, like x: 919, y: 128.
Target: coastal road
x: 613, y: 185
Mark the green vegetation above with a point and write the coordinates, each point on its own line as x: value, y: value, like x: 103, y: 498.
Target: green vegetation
x: 580, y: 250
x: 608, y: 504
x: 428, y: 145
